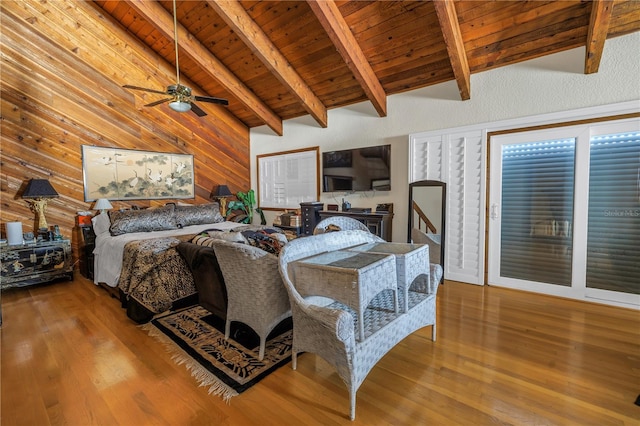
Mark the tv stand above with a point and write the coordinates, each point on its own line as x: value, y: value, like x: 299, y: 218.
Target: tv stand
x: 379, y: 223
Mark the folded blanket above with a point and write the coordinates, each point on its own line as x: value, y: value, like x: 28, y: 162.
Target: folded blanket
x: 207, y: 277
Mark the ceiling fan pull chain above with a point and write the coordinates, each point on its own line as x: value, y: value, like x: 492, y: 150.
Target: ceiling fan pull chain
x: 175, y: 40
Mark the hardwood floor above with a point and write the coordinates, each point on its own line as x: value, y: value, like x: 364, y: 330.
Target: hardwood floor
x: 71, y: 356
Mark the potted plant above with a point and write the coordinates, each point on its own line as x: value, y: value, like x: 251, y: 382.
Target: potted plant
x: 246, y: 202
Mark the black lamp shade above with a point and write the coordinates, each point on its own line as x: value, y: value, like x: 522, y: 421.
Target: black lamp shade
x: 222, y: 191
x: 39, y: 188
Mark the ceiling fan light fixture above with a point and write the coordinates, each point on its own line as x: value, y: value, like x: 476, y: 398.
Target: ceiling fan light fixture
x: 180, y: 106
x: 181, y: 98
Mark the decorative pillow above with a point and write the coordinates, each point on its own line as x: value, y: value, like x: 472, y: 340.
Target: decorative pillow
x: 232, y: 236
x: 280, y: 236
x: 101, y: 223
x: 124, y: 222
x: 269, y: 242
x: 205, y: 240
x: 329, y: 228
x: 198, y: 214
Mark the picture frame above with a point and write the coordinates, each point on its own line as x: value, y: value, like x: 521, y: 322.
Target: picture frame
x: 127, y: 174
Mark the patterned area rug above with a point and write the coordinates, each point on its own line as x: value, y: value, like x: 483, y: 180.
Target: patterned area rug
x: 195, y: 338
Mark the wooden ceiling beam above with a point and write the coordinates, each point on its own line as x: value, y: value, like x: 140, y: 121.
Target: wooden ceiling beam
x: 446, y: 11
x: 157, y: 16
x: 252, y: 35
x: 343, y: 39
x: 598, y: 29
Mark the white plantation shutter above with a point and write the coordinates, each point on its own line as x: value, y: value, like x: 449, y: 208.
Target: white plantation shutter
x: 287, y: 179
x: 427, y: 159
x: 457, y: 160
x: 465, y: 200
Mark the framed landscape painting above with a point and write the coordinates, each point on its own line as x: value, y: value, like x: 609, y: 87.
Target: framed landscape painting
x: 126, y: 174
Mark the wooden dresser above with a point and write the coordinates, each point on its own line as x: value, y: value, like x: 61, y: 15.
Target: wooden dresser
x: 28, y: 264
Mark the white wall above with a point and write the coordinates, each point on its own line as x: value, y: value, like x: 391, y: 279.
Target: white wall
x: 549, y: 84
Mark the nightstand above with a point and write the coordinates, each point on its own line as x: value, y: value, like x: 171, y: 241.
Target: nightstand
x: 28, y: 264
x: 86, y: 251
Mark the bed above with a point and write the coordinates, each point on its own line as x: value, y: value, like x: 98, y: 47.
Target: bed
x: 135, y: 253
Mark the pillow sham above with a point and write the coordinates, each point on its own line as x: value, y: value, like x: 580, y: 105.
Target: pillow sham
x: 127, y: 221
x: 232, y: 236
x: 271, y: 242
x: 101, y: 223
x: 198, y: 214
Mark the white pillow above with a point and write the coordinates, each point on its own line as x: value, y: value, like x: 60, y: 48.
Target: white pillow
x: 233, y: 237
x: 101, y: 223
x: 282, y: 238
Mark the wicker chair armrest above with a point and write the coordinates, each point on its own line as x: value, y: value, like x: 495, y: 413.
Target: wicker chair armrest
x: 336, y: 321
x: 429, y: 284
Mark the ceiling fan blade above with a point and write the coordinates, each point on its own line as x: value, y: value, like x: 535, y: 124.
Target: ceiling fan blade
x: 212, y: 100
x: 197, y: 110
x: 127, y: 86
x: 161, y: 101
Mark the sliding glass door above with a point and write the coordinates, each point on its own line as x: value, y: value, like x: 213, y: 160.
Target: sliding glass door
x: 565, y: 211
x: 613, y: 233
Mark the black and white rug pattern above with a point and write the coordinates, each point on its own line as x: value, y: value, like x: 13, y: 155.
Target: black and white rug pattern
x: 195, y: 338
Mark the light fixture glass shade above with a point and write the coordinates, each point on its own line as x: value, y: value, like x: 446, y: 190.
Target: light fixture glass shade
x: 102, y: 204
x: 180, y: 106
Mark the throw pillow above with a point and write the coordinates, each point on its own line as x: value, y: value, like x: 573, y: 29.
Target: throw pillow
x: 269, y: 242
x: 198, y: 214
x: 101, y: 223
x: 234, y: 237
x: 127, y: 221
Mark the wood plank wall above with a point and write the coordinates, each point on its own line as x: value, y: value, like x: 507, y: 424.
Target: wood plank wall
x: 63, y: 66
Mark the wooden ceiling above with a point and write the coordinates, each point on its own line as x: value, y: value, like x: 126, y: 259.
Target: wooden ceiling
x: 275, y: 60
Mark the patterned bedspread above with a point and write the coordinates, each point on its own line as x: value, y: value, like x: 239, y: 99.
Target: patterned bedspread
x: 155, y: 274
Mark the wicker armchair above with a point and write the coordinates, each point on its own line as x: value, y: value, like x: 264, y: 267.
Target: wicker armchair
x: 342, y: 222
x: 256, y: 295
x: 330, y: 330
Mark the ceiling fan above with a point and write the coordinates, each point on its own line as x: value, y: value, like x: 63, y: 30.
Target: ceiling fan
x: 181, y: 99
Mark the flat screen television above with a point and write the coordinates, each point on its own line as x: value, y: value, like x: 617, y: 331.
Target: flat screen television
x: 358, y: 169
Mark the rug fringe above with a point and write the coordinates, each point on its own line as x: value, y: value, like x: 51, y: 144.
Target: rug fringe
x: 203, y: 376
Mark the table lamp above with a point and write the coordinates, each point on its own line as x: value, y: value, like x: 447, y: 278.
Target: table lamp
x: 103, y: 205
x: 37, y: 193
x: 221, y: 194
